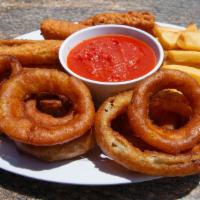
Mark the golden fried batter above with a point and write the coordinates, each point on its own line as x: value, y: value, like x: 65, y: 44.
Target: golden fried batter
x: 58, y: 29
x: 31, y: 52
x: 132, y: 156
x: 57, y: 152
x: 143, y: 20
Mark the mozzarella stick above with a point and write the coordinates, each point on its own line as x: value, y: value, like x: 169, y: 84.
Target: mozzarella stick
x: 32, y: 52
x: 58, y: 29
x: 143, y: 20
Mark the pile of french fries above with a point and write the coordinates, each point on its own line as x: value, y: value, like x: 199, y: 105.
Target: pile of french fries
x: 182, y: 48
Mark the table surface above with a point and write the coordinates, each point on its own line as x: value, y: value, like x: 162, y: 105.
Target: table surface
x: 19, y: 17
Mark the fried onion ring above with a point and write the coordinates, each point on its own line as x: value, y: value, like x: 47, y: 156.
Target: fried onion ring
x: 9, y: 66
x: 125, y: 153
x: 59, y: 152
x: 20, y: 126
x: 49, y: 106
x: 170, y: 141
x: 9, y: 63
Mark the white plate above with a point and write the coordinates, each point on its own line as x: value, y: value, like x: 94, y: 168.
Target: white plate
x: 92, y: 169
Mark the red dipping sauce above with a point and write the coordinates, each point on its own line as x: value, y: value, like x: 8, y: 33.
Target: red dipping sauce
x: 111, y: 58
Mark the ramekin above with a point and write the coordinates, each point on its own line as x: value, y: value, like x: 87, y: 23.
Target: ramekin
x: 102, y: 90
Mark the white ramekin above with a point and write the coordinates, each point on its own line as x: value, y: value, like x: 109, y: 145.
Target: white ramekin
x: 102, y: 90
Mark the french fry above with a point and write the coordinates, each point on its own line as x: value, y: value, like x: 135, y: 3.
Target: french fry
x: 157, y: 30
x: 194, y: 72
x: 191, y: 58
x: 189, y: 40
x: 169, y: 39
x: 167, y: 36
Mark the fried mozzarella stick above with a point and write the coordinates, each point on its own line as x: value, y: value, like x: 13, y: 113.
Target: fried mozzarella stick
x: 143, y: 20
x: 32, y: 52
x: 58, y: 29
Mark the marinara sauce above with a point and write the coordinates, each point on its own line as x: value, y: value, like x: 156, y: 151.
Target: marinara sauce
x: 111, y: 58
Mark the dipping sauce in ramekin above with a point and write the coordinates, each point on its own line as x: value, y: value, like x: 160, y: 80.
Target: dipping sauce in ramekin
x: 111, y: 58
x: 107, y: 84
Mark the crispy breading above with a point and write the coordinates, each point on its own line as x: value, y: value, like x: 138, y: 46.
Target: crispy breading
x: 32, y: 52
x: 131, y: 153
x: 143, y: 20
x: 58, y: 152
x: 58, y: 29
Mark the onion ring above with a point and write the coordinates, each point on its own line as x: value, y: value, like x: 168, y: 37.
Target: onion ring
x: 125, y: 153
x: 170, y: 141
x: 59, y: 152
x: 9, y: 63
x: 20, y: 126
x: 52, y: 105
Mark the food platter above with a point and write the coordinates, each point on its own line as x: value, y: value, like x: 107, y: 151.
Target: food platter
x: 91, y: 169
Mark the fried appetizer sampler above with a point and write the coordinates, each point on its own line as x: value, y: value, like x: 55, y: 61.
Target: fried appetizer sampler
x: 143, y: 20
x: 32, y: 52
x: 58, y: 29
x: 135, y: 154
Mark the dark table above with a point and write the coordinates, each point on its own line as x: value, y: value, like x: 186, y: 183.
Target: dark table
x: 18, y: 17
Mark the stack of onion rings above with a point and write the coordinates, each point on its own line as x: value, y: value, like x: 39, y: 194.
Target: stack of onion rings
x: 123, y: 151
x: 59, y: 152
x: 39, y: 129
